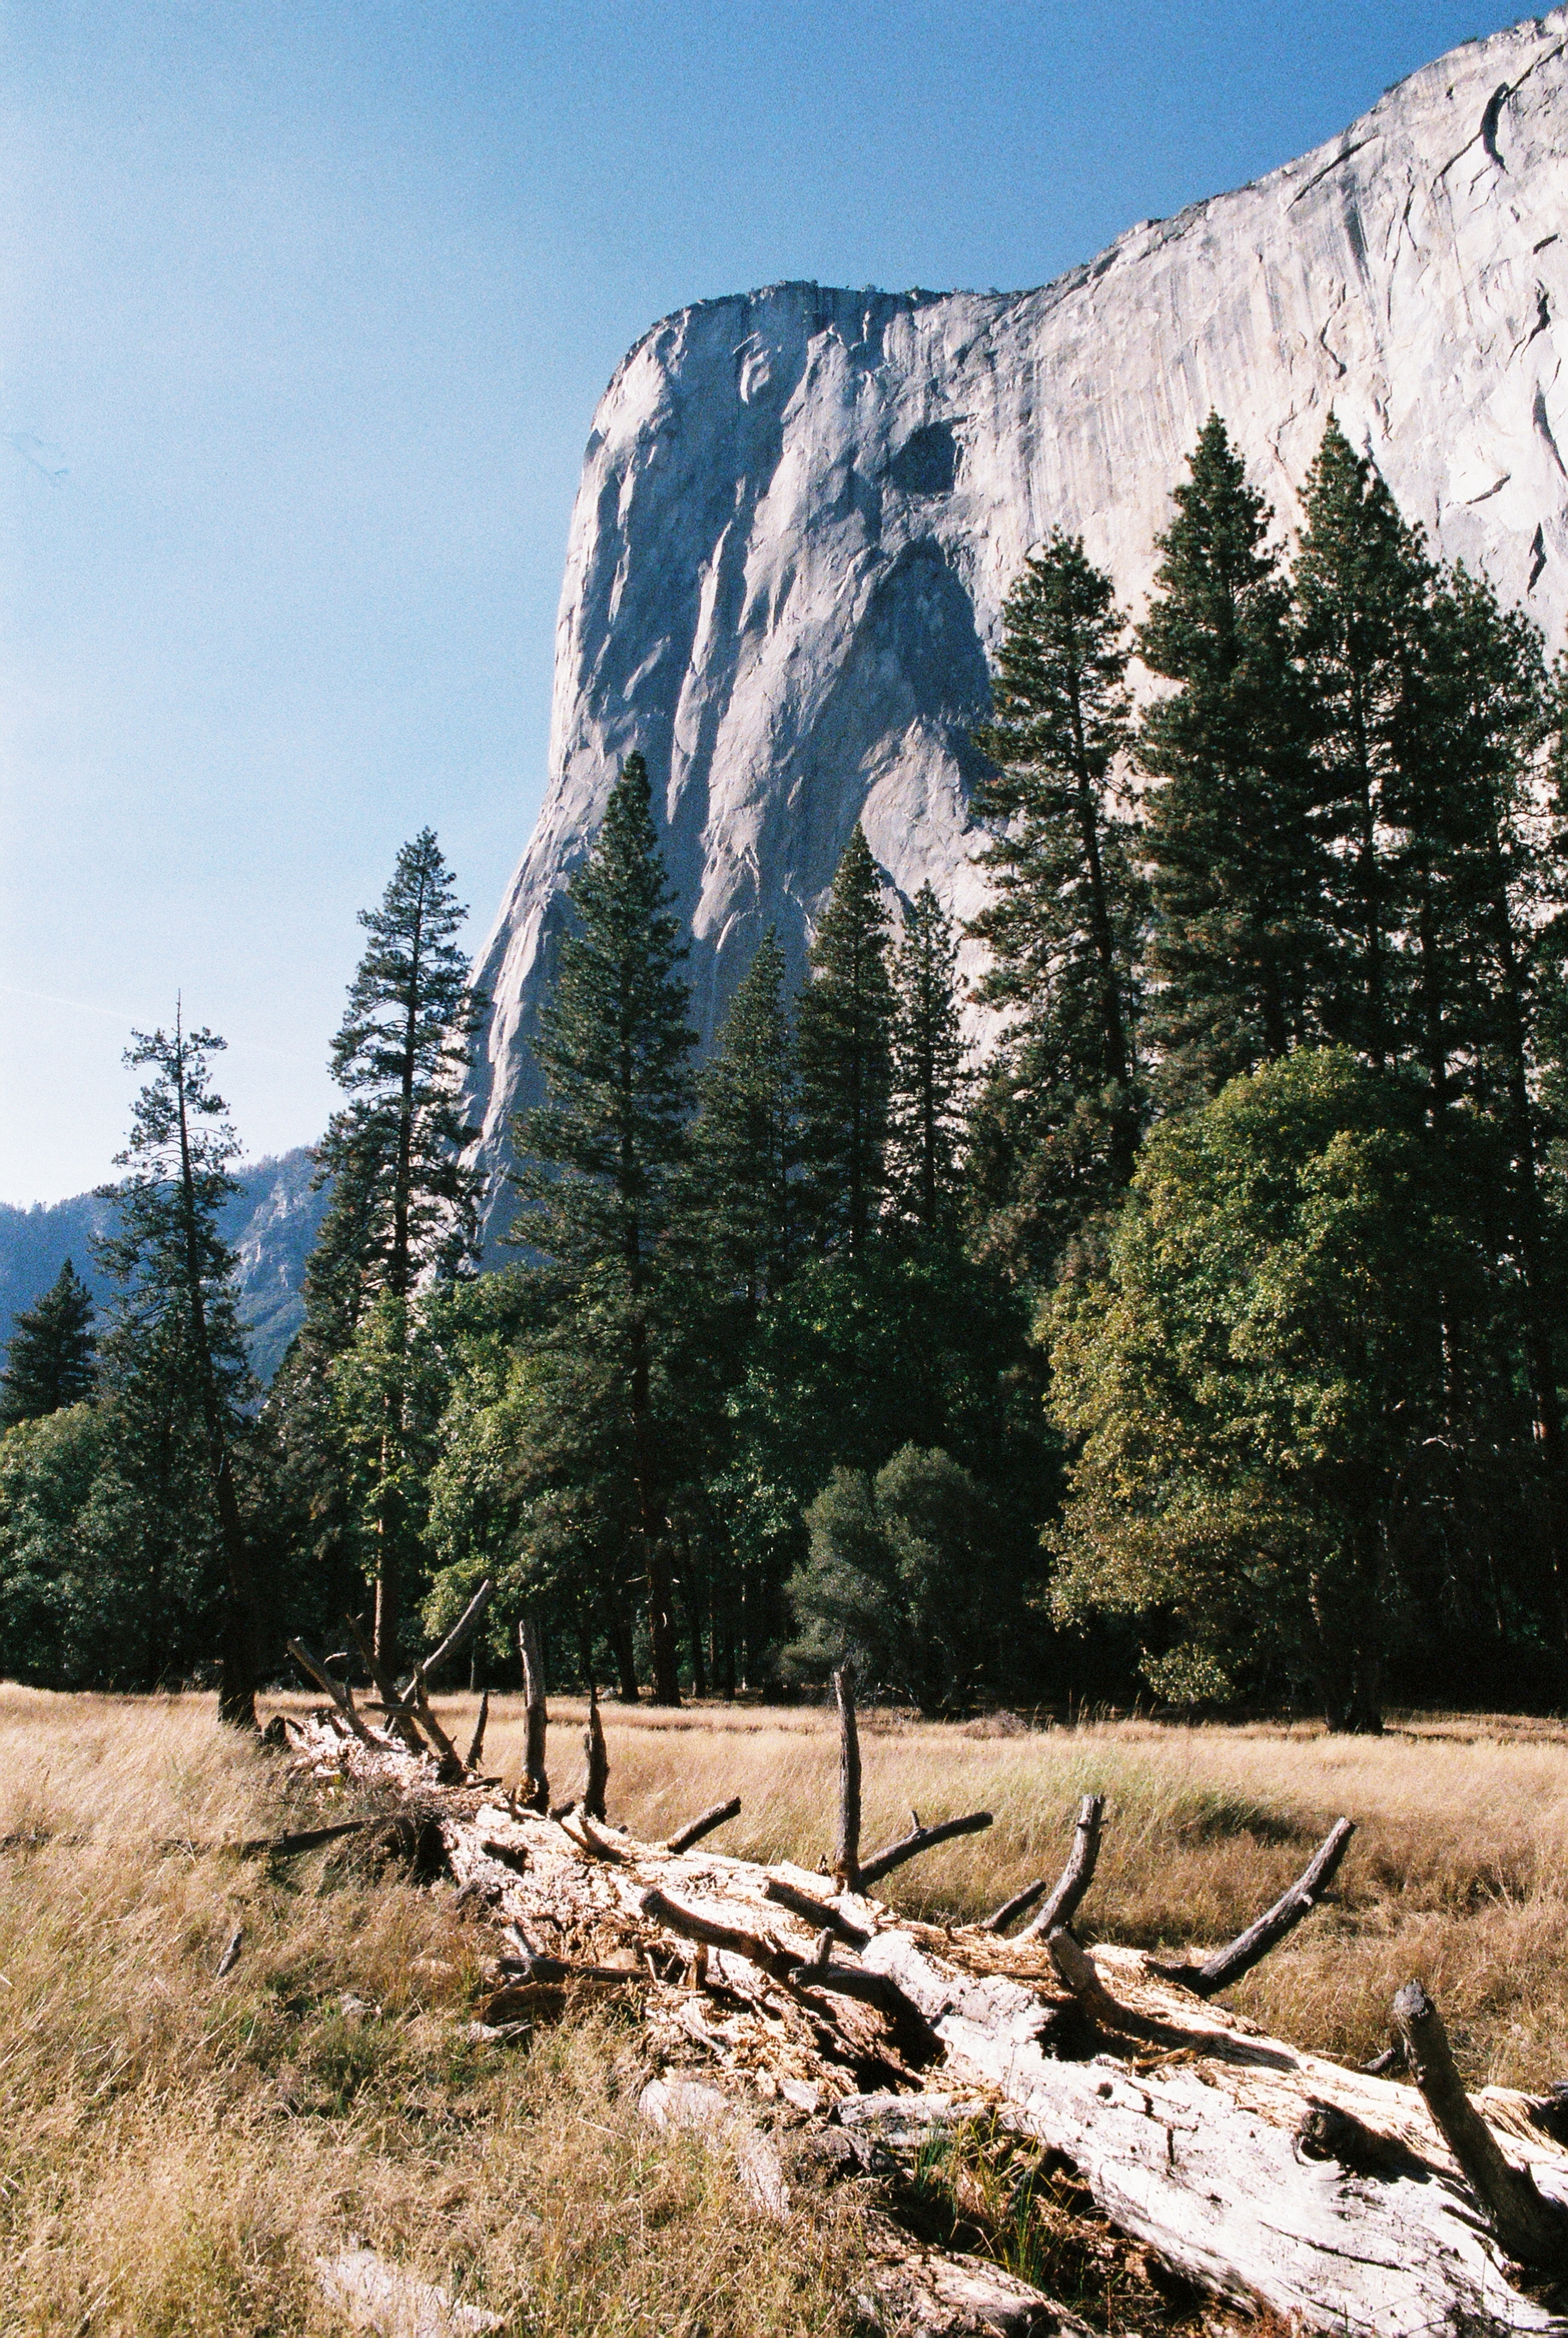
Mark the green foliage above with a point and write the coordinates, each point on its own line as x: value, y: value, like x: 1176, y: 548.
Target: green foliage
x: 740, y: 1207
x: 1059, y: 1117
x: 1257, y: 1383
x: 402, y: 1198
x: 928, y: 1081
x: 897, y: 1579
x: 49, y: 1363
x: 844, y: 1054
x: 1238, y: 867
x: 605, y: 1160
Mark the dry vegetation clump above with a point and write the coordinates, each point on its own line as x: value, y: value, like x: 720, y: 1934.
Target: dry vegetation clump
x: 1458, y: 1872
x: 176, y: 2150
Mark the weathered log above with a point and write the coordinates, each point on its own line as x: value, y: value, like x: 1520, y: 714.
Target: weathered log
x: 537, y: 1718
x: 923, y: 1838
x: 477, y: 1742
x: 1073, y: 1882
x: 1199, y: 2157
x: 342, y: 1696
x: 817, y: 1912
x: 597, y: 1757
x: 695, y: 1828
x: 1227, y: 1965
x: 846, y: 1856
x: 1267, y: 2175
x: 1531, y: 2227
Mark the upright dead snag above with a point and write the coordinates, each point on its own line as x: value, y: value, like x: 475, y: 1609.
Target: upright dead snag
x: 538, y: 1719
x: 847, y: 1858
x: 598, y: 1760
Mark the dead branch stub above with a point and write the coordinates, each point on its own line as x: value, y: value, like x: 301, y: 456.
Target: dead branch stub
x: 707, y: 1824
x: 846, y: 1856
x: 597, y: 1757
x: 530, y: 1648
x: 1230, y: 1964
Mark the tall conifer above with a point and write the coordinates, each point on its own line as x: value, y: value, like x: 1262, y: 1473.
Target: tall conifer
x: 606, y: 1152
x: 844, y: 1052
x: 403, y: 1198
x: 176, y: 1319
x: 49, y: 1363
x: 928, y: 1082
x: 744, y: 1138
x: 1057, y: 1128
x: 1237, y: 867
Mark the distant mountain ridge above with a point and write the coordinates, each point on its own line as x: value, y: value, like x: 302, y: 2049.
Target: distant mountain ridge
x: 272, y: 1223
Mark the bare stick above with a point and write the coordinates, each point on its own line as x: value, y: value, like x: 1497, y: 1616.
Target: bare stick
x: 910, y: 1846
x: 230, y: 1956
x: 1076, y: 1969
x: 758, y: 1949
x: 1528, y: 2226
x: 1073, y: 1885
x: 285, y: 1846
x: 450, y: 1757
x: 1019, y: 1905
x: 591, y: 1839
x: 847, y: 1858
x: 341, y: 1696
x: 598, y: 1759
x: 533, y: 1968
x: 1249, y: 1948
x: 538, y: 1717
x: 816, y: 1911
x: 398, y: 1715
x: 477, y: 1742
x: 695, y: 1828
x: 761, y: 1949
x: 457, y: 1635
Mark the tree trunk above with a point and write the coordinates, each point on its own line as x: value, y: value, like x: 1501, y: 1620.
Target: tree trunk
x: 624, y: 1649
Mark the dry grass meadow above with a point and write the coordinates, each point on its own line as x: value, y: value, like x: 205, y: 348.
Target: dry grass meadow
x: 176, y: 2150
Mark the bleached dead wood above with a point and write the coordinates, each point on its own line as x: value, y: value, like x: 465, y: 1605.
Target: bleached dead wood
x: 536, y: 1785
x: 1231, y: 1963
x: 1262, y: 2173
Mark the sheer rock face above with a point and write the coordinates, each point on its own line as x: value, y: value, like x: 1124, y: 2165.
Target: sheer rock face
x: 801, y: 509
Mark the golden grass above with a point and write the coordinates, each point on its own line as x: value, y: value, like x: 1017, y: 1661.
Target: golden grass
x: 175, y: 2151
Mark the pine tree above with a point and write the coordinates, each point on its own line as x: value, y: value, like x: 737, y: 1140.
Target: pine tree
x: 844, y: 1056
x: 404, y: 1201
x: 928, y: 1080
x: 1059, y: 1117
x: 1362, y: 583
x: 49, y: 1363
x: 606, y: 1153
x: 176, y: 1334
x: 743, y: 1140
x: 1237, y: 866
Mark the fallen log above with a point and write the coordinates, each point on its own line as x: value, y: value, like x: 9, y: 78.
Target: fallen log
x: 1263, y: 2173
x: 923, y: 1838
x: 695, y: 1828
x: 1230, y: 1964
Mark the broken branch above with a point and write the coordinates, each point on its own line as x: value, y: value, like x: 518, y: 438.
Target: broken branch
x: 456, y: 1636
x: 695, y: 1828
x: 910, y: 1846
x: 477, y: 1742
x: 340, y: 1694
x: 598, y: 1759
x: 1073, y: 1885
x: 1528, y: 2226
x: 1249, y: 1948
x: 816, y: 1911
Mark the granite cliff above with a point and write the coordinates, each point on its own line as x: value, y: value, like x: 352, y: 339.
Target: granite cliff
x: 800, y: 508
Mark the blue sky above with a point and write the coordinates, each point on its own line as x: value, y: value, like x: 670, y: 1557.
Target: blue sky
x: 304, y: 311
